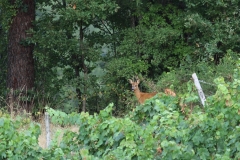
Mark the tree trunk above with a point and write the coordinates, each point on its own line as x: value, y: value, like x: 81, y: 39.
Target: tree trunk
x: 78, y: 91
x: 20, y: 73
x: 84, y: 88
x: 84, y: 67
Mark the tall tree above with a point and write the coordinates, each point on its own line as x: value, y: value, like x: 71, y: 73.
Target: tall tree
x: 3, y: 55
x: 20, y: 72
x: 213, y: 28
x: 62, y: 35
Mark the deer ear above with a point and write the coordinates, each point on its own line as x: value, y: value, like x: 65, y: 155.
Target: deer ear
x: 130, y: 81
x: 138, y: 81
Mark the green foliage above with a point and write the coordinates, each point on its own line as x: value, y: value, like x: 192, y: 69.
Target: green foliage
x: 17, y: 143
x: 105, y: 136
x: 64, y: 64
x: 124, y: 38
x: 164, y: 35
x: 125, y: 67
x: 158, y: 129
x: 214, y: 129
x: 154, y: 40
x: 210, y: 30
x: 7, y: 11
x: 4, y: 24
x: 165, y: 41
x: 153, y: 46
x: 179, y: 79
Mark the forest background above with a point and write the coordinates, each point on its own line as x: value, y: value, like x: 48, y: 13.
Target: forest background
x: 84, y: 51
x: 72, y: 56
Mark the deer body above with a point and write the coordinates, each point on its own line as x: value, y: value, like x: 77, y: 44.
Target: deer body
x: 141, y: 96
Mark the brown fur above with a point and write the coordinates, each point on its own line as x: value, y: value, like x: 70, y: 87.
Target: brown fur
x: 169, y: 92
x: 142, y: 96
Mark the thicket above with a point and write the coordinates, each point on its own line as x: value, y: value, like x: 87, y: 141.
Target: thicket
x: 159, y: 129
x: 162, y: 41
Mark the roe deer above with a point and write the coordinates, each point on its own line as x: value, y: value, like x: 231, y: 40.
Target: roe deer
x: 141, y: 96
x: 169, y: 92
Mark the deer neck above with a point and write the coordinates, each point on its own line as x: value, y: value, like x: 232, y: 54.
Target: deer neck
x: 137, y: 93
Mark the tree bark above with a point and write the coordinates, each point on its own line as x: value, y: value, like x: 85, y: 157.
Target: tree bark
x: 78, y: 91
x: 84, y: 67
x: 20, y: 73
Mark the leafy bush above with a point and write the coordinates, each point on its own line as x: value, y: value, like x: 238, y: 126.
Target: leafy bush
x: 206, y: 72
x: 17, y: 143
x: 158, y: 129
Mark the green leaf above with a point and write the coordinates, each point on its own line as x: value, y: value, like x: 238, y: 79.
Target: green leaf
x: 203, y: 153
x: 1, y: 122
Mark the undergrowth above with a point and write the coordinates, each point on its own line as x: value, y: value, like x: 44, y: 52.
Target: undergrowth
x: 164, y: 127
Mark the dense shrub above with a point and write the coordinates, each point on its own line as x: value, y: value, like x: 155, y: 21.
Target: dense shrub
x: 159, y: 129
x: 18, y: 143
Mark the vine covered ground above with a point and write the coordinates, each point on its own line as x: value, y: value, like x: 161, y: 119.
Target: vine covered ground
x: 162, y: 128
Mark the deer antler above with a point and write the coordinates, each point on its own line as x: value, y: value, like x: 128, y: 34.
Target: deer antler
x: 135, y: 78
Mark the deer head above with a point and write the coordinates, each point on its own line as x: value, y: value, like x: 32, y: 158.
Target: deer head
x: 141, y: 96
x: 134, y: 82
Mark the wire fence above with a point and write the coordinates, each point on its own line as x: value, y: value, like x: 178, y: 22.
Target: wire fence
x: 207, y: 83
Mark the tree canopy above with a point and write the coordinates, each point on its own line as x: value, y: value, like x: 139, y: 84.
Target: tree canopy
x: 63, y: 57
x: 84, y: 51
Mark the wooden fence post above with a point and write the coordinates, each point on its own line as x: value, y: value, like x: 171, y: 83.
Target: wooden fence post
x: 47, y: 129
x: 199, y: 88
